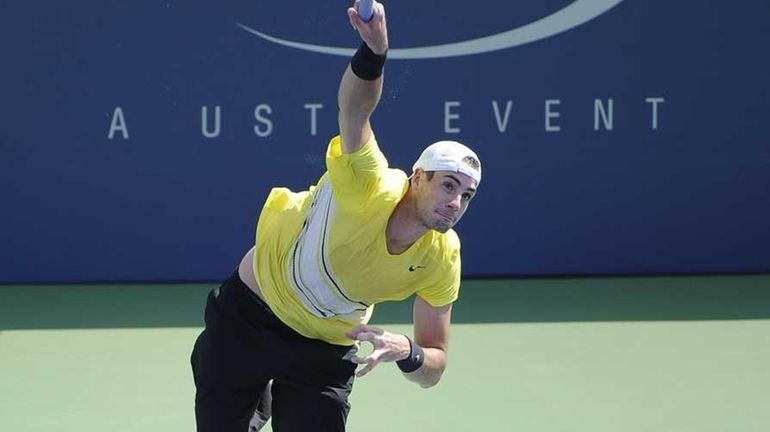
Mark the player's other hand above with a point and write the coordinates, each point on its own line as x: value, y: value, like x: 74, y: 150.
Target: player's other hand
x: 374, y: 32
x: 388, y: 347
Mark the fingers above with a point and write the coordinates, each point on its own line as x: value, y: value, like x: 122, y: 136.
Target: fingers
x: 374, y: 356
x: 368, y: 337
x: 368, y: 368
x: 379, y: 11
x: 353, y: 334
x: 359, y: 360
x: 378, y: 14
x: 371, y: 362
x: 355, y: 20
x: 385, y: 347
x: 374, y: 32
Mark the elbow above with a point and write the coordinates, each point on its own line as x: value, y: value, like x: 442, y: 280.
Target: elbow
x: 432, y: 380
x: 427, y: 385
x: 430, y: 383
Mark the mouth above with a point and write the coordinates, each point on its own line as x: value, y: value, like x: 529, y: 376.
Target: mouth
x: 446, y: 217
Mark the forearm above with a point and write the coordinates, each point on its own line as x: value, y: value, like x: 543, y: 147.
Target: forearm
x: 422, y: 365
x: 429, y: 374
x: 357, y: 98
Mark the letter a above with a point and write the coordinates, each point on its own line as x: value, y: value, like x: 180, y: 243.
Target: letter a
x: 118, y: 124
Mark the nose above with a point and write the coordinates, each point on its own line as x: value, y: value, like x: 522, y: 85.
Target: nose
x: 456, y: 202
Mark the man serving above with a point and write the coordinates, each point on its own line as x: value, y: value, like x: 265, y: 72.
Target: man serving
x: 302, y: 297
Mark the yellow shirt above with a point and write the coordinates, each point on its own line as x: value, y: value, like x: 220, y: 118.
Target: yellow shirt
x: 321, y: 255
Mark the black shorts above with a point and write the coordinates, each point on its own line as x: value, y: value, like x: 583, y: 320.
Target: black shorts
x: 243, y: 347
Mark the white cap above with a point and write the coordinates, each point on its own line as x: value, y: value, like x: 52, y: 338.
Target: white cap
x: 450, y: 156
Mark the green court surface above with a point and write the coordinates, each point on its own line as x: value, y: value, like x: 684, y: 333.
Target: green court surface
x: 666, y: 354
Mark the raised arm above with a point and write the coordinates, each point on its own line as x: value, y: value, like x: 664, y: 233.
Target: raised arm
x: 361, y: 84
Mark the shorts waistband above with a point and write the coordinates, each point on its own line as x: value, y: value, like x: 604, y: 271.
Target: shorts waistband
x: 240, y: 302
x: 235, y: 282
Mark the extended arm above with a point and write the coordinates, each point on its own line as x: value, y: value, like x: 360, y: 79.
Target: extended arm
x: 358, y: 97
x: 431, y: 333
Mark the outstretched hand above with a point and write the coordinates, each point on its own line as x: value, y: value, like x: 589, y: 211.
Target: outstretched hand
x: 388, y: 347
x: 374, y: 32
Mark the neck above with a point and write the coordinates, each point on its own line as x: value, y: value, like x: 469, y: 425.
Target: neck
x: 404, y: 226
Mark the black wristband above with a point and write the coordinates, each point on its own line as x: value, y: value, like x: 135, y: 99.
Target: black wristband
x: 415, y: 359
x: 366, y: 64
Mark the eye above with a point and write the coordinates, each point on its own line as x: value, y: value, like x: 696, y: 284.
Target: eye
x: 449, y: 187
x: 467, y: 197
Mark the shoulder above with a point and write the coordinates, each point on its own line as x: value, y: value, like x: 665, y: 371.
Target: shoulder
x: 393, y: 184
x: 450, y: 241
x: 369, y: 150
x: 445, y: 248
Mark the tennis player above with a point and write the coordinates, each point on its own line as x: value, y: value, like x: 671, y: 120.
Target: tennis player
x: 296, y: 308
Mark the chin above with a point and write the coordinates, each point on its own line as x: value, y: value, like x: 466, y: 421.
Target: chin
x: 442, y: 227
x: 437, y: 223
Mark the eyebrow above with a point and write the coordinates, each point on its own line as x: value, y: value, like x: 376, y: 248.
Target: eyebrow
x: 459, y: 183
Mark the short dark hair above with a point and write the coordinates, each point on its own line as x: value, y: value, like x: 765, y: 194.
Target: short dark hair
x: 428, y: 174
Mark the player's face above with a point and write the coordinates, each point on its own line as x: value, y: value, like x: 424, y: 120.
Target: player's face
x: 443, y: 199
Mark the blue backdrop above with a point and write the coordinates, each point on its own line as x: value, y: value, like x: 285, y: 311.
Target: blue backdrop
x: 139, y: 139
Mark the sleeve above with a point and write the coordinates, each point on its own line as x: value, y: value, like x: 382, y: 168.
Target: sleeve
x: 355, y: 177
x: 445, y: 288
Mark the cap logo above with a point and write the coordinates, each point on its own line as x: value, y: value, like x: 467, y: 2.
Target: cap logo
x: 472, y: 162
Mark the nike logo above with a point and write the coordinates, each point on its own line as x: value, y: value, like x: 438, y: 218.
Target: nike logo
x: 413, y: 268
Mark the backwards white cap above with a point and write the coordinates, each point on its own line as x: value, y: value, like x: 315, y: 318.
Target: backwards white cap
x: 450, y: 156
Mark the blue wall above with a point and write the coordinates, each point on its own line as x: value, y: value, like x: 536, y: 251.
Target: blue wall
x: 106, y: 172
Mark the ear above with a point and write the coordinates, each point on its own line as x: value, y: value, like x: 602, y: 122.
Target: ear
x: 417, y: 177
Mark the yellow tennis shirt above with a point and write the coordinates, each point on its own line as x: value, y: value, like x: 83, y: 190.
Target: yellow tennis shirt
x: 321, y: 256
